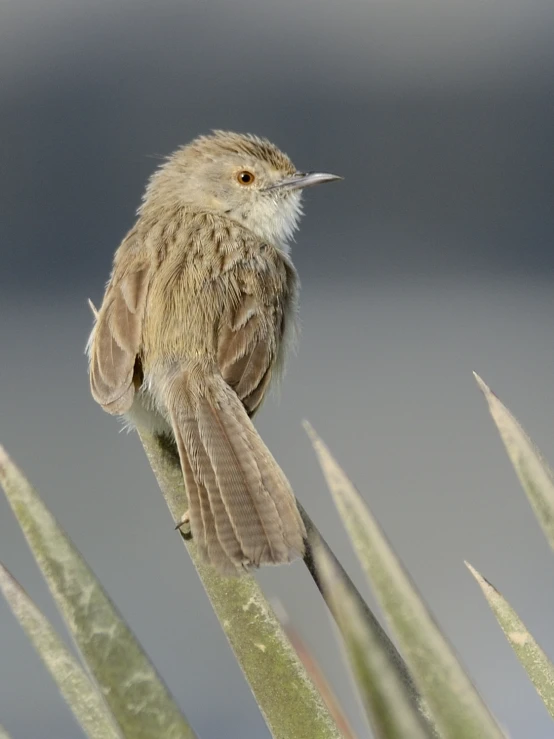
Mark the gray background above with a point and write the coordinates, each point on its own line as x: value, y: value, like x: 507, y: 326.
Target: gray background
x: 431, y: 259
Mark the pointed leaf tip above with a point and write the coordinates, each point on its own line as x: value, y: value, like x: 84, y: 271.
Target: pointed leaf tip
x: 534, y: 661
x: 309, y: 429
x: 485, y: 389
x: 479, y: 380
x: 483, y: 582
x: 472, y: 569
x: 533, y: 472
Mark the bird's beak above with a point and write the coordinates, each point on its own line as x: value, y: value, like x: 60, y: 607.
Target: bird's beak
x: 300, y: 180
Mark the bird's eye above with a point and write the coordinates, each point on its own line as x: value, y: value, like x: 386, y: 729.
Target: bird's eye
x: 245, y: 177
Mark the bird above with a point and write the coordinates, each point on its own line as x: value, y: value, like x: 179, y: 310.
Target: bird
x: 197, y: 319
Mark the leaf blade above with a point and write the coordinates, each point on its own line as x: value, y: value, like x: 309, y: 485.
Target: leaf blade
x: 80, y: 693
x: 315, y: 672
x: 386, y: 697
x: 534, y: 661
x: 139, y: 701
x: 455, y: 705
x: 314, y: 541
x: 532, y: 470
x: 289, y: 701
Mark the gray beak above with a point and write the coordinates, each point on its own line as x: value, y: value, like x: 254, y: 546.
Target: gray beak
x: 300, y: 180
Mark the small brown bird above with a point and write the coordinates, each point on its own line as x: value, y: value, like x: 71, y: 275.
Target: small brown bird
x: 195, y: 324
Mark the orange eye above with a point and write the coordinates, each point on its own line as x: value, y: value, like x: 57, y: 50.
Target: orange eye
x: 245, y: 177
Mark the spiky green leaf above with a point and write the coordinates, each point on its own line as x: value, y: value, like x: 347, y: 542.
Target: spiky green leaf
x: 533, y: 472
x: 140, y: 703
x: 288, y: 699
x: 387, y: 700
x: 534, y: 661
x: 455, y: 705
x: 316, y: 541
x: 81, y: 694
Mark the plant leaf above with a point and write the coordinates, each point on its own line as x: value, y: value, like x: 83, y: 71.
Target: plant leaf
x: 315, y: 672
x: 533, y: 472
x: 387, y: 700
x: 288, y: 700
x: 139, y: 701
x: 456, y: 707
x: 534, y: 661
x: 81, y: 694
x: 316, y: 541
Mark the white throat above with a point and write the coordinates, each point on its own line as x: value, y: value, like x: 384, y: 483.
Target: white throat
x: 276, y: 219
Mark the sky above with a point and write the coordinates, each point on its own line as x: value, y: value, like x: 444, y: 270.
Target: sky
x: 432, y: 259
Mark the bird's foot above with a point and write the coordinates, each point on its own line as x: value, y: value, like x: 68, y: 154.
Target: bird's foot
x: 184, y: 524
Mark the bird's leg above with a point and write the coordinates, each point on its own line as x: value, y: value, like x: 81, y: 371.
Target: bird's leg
x: 184, y: 524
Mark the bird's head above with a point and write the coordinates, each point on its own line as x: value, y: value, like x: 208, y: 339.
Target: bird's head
x: 244, y: 177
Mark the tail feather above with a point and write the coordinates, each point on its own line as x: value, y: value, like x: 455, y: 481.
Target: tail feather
x: 203, y: 524
x: 249, y: 504
x: 212, y: 506
x: 273, y: 478
x: 242, y: 509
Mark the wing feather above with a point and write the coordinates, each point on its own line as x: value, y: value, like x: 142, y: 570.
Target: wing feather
x: 248, y: 347
x: 116, y: 339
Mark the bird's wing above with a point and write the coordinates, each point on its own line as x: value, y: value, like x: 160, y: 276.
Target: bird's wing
x: 253, y: 331
x: 115, y: 341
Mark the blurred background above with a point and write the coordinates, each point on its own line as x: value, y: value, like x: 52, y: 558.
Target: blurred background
x: 433, y: 258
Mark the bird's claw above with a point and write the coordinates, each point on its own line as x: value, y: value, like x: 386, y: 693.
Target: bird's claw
x: 184, y: 523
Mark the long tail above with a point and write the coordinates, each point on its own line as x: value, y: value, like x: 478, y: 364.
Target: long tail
x: 242, y: 509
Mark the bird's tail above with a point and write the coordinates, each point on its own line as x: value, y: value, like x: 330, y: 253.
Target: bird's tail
x: 242, y: 510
